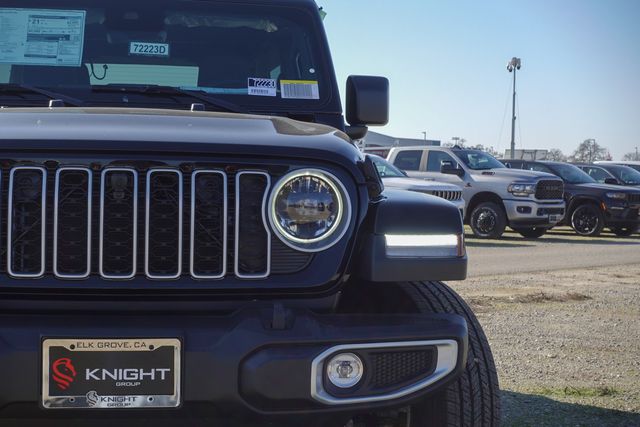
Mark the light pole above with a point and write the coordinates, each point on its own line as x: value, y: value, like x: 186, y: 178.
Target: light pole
x: 514, y: 65
x: 425, y: 135
x: 637, y: 158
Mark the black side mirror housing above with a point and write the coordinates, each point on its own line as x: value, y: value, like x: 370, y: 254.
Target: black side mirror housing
x: 367, y: 101
x: 611, y: 181
x: 449, y: 168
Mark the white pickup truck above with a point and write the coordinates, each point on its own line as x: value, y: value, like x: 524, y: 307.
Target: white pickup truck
x: 496, y: 197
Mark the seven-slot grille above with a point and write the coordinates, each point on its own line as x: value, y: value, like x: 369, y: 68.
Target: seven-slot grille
x: 447, y: 195
x: 549, y: 190
x: 156, y: 222
x: 634, y: 198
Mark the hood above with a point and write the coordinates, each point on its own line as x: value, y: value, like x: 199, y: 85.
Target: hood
x: 414, y: 184
x: 515, y: 174
x: 609, y: 187
x: 141, y: 130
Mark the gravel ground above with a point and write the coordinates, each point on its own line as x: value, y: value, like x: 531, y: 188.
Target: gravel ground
x: 566, y: 342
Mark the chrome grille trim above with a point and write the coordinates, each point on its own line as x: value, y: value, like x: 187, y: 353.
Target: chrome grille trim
x: 148, y: 273
x: 12, y: 273
x: 55, y: 222
x: 193, y: 224
x: 236, y: 262
x: 135, y: 223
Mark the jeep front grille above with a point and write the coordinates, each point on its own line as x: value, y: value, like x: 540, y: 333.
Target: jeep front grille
x: 550, y: 190
x: 160, y: 223
x: 447, y: 195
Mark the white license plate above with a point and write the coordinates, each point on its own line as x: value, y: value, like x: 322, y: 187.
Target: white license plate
x: 554, y: 218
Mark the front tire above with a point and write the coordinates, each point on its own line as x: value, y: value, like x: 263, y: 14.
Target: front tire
x: 473, y: 400
x: 488, y: 220
x: 587, y: 220
x: 531, y: 233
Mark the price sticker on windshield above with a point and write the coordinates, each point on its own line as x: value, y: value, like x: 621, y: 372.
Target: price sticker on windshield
x: 149, y: 49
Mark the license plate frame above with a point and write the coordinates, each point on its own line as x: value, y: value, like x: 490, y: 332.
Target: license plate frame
x: 94, y: 373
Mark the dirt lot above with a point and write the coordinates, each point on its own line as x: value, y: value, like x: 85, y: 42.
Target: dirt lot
x: 566, y: 341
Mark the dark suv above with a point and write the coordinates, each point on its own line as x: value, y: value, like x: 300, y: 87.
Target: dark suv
x: 591, y: 206
x: 190, y: 235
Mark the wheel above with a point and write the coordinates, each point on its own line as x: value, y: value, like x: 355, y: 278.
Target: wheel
x: 531, y: 233
x: 587, y: 220
x: 624, y: 231
x: 488, y: 220
x: 474, y: 398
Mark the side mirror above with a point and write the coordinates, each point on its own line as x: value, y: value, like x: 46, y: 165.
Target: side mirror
x: 449, y: 168
x: 611, y: 181
x: 367, y: 101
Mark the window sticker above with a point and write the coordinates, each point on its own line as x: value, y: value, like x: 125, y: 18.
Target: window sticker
x: 149, y: 49
x: 42, y: 37
x: 262, y: 87
x: 300, y: 89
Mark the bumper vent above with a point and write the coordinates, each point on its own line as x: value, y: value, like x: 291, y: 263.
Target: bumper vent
x: 396, y: 368
x: 118, y: 223
x: 550, y: 190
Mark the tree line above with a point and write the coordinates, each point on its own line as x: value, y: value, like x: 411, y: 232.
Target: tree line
x: 588, y: 151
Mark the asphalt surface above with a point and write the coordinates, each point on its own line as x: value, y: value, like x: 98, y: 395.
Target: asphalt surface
x: 560, y: 249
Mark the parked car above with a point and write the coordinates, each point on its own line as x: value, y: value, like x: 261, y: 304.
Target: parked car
x: 190, y: 254
x: 392, y: 177
x: 496, y: 197
x: 607, y: 173
x: 591, y: 206
x: 631, y: 163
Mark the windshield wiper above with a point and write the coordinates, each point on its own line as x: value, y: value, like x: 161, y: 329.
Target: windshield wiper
x: 170, y: 91
x: 24, y: 89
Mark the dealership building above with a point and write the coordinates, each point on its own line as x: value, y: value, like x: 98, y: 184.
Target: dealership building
x: 380, y: 144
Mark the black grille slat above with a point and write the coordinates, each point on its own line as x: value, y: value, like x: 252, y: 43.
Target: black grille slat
x: 26, y: 222
x: 549, y: 190
x: 208, y: 224
x: 163, y: 234
x: 252, y: 240
x: 118, y: 223
x: 72, y: 224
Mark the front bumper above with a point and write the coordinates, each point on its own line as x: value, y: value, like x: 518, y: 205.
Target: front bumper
x: 236, y: 366
x: 622, y: 215
x: 529, y: 213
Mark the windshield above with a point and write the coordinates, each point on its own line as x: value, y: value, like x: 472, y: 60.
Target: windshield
x: 570, y: 173
x: 625, y: 174
x: 253, y: 55
x: 478, y: 160
x: 386, y: 169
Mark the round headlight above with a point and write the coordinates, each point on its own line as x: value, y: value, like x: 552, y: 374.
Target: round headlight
x: 309, y: 210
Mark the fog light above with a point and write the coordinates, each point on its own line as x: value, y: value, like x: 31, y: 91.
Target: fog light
x: 345, y: 370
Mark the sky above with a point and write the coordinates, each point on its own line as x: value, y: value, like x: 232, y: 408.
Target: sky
x: 446, y: 61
